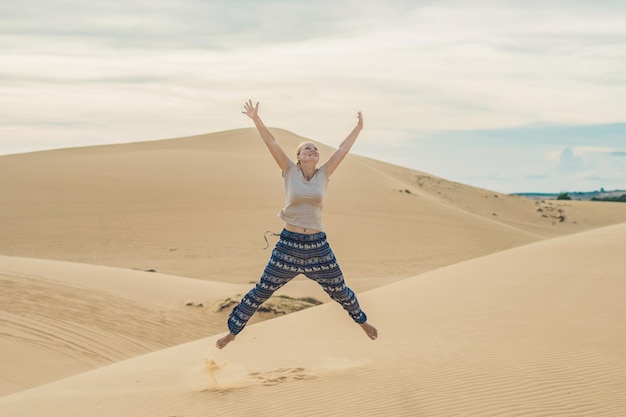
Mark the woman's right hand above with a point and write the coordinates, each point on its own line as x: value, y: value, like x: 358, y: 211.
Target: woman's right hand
x: 250, y: 110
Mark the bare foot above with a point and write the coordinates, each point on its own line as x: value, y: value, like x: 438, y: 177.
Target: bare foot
x: 225, y: 340
x: 370, y: 330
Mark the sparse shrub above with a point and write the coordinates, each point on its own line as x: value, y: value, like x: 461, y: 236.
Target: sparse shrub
x: 620, y: 199
x: 563, y: 196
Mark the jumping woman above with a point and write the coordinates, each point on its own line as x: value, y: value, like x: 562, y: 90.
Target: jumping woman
x: 302, y: 247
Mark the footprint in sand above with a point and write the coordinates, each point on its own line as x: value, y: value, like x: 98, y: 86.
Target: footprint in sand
x: 237, y: 377
x: 281, y: 375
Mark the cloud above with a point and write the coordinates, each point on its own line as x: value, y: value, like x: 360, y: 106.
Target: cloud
x: 570, y: 162
x: 212, y: 25
x: 538, y: 158
x: 592, y: 166
x: 465, y: 90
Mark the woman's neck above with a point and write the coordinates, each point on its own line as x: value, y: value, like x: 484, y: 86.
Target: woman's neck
x: 308, y: 170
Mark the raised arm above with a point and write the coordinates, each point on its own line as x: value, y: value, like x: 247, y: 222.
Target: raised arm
x: 345, y: 146
x: 279, y: 155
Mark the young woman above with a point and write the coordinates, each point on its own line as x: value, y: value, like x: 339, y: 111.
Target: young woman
x: 302, y: 247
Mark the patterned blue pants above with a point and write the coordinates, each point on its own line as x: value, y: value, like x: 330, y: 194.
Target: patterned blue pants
x: 296, y: 254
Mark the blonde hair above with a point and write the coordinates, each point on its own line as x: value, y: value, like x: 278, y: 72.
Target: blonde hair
x: 299, y: 148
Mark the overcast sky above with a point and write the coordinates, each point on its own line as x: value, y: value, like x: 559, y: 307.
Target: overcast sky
x: 507, y: 95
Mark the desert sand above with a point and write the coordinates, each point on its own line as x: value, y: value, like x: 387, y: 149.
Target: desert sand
x: 119, y: 265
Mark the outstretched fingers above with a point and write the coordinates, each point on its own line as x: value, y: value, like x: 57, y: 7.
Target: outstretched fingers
x: 249, y: 109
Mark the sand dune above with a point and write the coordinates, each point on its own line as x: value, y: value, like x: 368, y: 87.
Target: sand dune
x: 68, y: 318
x: 198, y: 207
x: 487, y: 304
x: 536, y: 330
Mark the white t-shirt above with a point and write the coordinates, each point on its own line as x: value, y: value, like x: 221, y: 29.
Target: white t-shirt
x: 304, y: 199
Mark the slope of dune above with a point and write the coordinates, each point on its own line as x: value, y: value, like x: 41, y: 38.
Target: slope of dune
x: 57, y: 323
x: 114, y: 259
x: 537, y: 330
x: 59, y: 319
x: 198, y: 207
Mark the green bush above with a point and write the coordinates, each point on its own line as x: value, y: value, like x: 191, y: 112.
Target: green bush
x: 620, y: 199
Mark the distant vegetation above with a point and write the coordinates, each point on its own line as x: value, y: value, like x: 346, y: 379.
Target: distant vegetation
x: 601, y: 195
x: 620, y: 199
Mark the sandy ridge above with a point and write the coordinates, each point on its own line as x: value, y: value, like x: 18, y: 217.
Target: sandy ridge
x: 480, y: 337
x: 487, y: 304
x: 165, y: 205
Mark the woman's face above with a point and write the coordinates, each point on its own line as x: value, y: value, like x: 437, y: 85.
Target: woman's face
x: 308, y: 153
